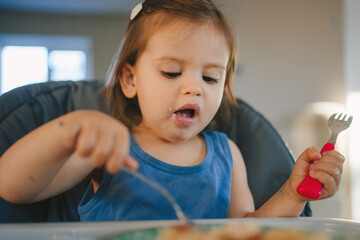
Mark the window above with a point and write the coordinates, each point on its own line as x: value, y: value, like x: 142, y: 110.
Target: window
x: 31, y: 59
x: 67, y: 64
x: 22, y: 65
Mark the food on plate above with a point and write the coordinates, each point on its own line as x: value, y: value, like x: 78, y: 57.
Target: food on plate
x: 238, y: 232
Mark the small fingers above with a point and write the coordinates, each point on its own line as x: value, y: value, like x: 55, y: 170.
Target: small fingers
x: 330, y: 185
x: 115, y: 166
x: 102, y: 149
x: 334, y: 157
x: 131, y: 163
x: 311, y: 154
x: 305, y: 159
x: 328, y: 170
x: 119, y: 154
x: 98, y: 137
x: 87, y: 139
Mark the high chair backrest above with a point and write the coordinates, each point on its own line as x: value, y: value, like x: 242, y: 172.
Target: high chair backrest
x: 267, y: 158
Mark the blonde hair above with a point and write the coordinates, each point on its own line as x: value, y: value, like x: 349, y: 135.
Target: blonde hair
x: 154, y: 15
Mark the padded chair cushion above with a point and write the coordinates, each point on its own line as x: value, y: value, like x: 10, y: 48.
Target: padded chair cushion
x: 267, y: 159
x: 27, y: 108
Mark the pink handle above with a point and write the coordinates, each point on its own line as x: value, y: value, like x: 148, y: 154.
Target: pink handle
x: 310, y: 187
x: 327, y: 147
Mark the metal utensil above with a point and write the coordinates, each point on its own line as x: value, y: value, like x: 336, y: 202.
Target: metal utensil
x: 179, y: 213
x: 310, y: 187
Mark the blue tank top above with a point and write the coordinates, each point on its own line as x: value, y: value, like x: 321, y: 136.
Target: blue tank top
x: 202, y: 191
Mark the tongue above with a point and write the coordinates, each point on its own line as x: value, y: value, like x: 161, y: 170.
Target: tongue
x: 187, y: 113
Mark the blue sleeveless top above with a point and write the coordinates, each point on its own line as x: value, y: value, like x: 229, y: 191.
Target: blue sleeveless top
x: 202, y: 191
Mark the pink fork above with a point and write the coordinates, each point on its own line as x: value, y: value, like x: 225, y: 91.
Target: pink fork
x: 311, y: 188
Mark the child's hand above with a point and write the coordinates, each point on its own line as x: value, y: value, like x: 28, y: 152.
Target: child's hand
x: 102, y: 138
x: 326, y: 168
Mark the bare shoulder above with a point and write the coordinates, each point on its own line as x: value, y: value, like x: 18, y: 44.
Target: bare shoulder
x: 235, y: 151
x: 239, y: 167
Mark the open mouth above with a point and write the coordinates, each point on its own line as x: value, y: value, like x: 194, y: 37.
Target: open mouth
x: 188, y: 111
x: 187, y: 114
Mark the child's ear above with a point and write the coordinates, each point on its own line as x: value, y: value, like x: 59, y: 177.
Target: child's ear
x: 126, y: 78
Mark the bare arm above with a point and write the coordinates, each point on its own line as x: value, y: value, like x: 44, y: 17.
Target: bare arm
x: 59, y: 154
x: 241, y: 202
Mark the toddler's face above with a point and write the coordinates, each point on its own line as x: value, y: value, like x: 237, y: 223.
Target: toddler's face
x: 180, y: 78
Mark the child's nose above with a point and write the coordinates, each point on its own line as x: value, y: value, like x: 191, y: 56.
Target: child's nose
x: 192, y: 87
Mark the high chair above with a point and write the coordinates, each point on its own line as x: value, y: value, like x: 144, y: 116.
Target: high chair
x: 267, y: 158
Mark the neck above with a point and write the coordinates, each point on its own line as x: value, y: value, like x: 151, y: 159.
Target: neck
x: 185, y: 153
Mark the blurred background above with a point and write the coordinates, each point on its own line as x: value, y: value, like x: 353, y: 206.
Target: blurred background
x: 299, y: 63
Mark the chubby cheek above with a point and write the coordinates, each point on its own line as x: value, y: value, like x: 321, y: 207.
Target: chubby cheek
x: 212, y: 105
x: 154, y: 106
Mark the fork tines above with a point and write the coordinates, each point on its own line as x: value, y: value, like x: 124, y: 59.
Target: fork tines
x: 342, y: 116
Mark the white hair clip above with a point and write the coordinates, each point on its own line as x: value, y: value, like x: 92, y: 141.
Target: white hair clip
x: 135, y: 11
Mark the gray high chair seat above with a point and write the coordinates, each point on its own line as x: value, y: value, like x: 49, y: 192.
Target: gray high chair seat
x: 267, y: 158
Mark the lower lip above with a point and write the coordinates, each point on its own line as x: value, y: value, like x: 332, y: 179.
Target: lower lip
x: 184, y: 121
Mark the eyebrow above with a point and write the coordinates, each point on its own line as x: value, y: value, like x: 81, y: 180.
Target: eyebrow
x: 208, y: 65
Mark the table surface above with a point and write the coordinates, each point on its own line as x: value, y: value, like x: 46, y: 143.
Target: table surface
x: 95, y: 230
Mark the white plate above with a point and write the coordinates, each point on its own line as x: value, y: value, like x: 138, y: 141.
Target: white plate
x: 96, y: 230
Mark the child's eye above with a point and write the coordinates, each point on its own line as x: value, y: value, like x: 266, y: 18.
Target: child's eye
x: 171, y: 74
x: 210, y: 79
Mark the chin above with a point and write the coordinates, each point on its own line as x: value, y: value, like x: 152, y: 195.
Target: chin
x: 179, y: 136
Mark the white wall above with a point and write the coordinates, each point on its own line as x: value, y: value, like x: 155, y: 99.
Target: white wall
x: 290, y: 54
